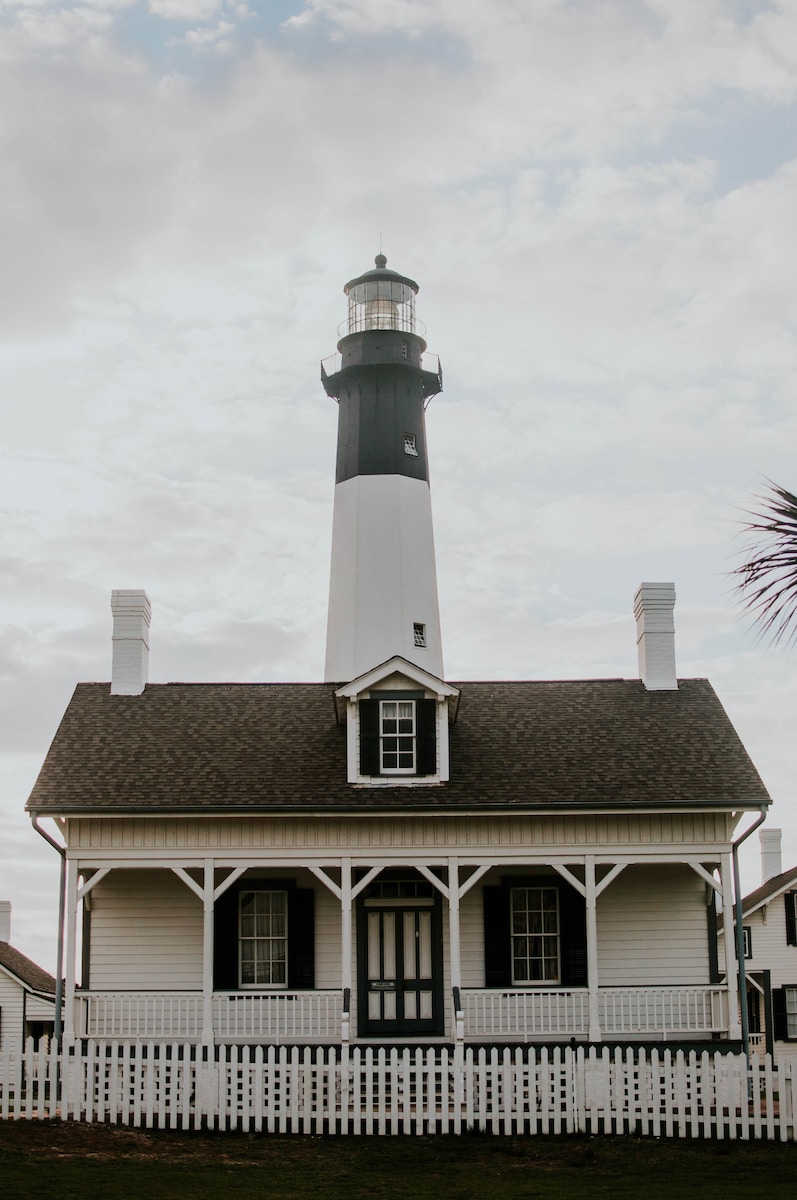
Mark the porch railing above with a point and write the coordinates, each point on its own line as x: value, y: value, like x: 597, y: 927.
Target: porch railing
x: 622, y: 1012
x: 272, y: 1015
x: 531, y: 1013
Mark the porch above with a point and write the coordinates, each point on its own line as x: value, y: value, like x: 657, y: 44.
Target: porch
x: 476, y: 1015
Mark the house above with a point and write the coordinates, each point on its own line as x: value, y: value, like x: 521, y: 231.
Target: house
x: 27, y: 992
x: 769, y: 919
x: 388, y: 856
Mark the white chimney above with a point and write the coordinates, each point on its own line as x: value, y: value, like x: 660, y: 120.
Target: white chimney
x: 771, y: 861
x: 5, y: 920
x: 655, y: 635
x: 131, y: 617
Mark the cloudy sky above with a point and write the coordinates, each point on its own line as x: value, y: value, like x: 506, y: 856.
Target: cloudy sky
x: 598, y: 199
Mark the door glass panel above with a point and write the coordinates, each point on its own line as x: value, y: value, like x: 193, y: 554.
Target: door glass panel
x: 389, y: 950
x: 425, y: 944
x: 374, y: 971
x: 390, y: 1006
x: 426, y: 1005
x: 410, y: 1006
x: 409, y: 945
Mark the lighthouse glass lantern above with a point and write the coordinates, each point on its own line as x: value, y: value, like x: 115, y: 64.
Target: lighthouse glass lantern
x: 381, y: 299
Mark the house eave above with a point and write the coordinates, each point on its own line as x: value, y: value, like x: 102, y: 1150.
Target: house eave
x: 401, y: 805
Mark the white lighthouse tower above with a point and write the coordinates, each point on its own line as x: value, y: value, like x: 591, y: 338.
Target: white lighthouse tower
x: 383, y: 581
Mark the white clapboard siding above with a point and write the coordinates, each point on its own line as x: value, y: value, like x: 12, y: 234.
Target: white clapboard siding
x: 770, y: 949
x: 471, y: 938
x: 652, y: 928
x: 327, y: 938
x: 11, y: 1011
x: 146, y: 932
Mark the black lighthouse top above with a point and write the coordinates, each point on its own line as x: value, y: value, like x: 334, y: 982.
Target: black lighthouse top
x: 380, y: 299
x: 381, y: 331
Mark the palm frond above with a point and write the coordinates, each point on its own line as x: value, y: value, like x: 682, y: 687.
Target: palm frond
x: 767, y: 581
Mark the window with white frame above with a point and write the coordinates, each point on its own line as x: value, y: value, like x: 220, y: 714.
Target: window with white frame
x: 790, y: 994
x: 263, y: 939
x: 410, y: 446
x: 535, y: 935
x: 397, y: 737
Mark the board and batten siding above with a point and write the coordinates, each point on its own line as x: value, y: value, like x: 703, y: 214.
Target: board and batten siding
x: 389, y: 836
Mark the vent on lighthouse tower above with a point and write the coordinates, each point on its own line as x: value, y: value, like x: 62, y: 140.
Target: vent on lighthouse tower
x: 383, y: 582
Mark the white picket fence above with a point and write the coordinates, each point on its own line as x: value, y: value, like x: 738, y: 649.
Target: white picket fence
x: 368, y: 1090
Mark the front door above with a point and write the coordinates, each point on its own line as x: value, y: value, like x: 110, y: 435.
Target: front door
x: 400, y: 963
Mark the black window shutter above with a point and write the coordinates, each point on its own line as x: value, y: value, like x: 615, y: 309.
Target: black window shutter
x: 791, y: 918
x: 779, y: 1014
x: 225, y: 941
x: 369, y: 737
x: 573, y: 927
x: 301, y: 938
x: 426, y: 714
x: 497, y: 945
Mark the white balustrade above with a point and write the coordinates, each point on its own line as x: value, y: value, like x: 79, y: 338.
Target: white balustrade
x: 277, y: 1015
x: 623, y: 1012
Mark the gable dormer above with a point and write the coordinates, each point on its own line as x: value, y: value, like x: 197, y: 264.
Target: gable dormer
x: 397, y: 719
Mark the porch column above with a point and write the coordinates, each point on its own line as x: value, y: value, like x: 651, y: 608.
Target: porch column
x: 591, y: 896
x: 207, y: 953
x: 345, y: 944
x: 71, y: 951
x: 729, y: 940
x: 455, y: 960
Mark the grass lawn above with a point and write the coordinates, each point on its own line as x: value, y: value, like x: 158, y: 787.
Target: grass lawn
x: 56, y: 1161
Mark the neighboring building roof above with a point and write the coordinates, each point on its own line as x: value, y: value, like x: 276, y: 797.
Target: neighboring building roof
x: 277, y: 747
x: 26, y: 971
x: 769, y: 891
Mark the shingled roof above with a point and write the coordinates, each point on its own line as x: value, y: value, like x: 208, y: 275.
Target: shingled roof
x: 277, y: 747
x: 25, y: 970
x: 769, y: 890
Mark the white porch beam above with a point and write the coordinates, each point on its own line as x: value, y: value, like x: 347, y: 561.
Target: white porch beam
x: 207, y: 952
x: 731, y: 965
x: 71, y: 950
x: 591, y: 895
x: 346, y: 903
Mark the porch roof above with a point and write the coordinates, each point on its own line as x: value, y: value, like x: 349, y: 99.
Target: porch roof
x: 277, y: 747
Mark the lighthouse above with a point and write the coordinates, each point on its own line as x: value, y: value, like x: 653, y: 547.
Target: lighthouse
x: 383, y: 581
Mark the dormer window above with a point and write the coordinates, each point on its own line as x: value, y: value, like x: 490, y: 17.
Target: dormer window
x: 397, y: 718
x: 397, y: 737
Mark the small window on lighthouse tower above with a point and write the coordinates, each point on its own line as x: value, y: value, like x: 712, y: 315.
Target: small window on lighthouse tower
x: 419, y: 633
x: 409, y: 445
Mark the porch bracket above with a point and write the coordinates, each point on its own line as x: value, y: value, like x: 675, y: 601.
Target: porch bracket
x: 699, y: 869
x: 322, y: 877
x: 88, y: 884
